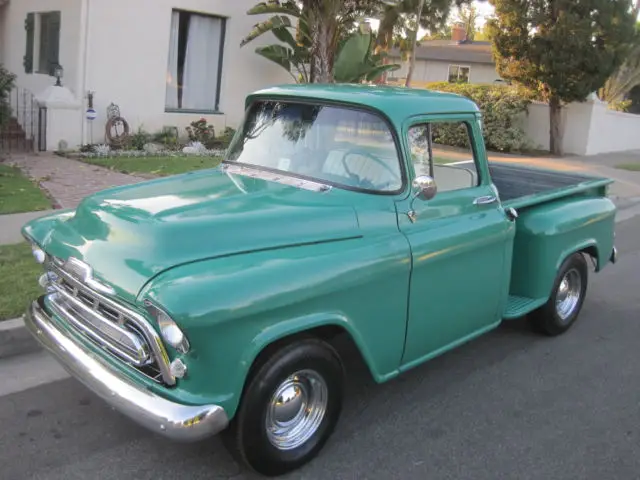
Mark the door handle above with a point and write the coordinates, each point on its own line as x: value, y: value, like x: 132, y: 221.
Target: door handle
x: 485, y: 200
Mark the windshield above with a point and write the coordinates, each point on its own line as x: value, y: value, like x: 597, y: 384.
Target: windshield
x: 336, y: 145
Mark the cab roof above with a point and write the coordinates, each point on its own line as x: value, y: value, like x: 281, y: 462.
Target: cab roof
x: 397, y: 103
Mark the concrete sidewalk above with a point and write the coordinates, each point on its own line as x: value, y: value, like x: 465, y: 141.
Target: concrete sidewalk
x: 10, y: 225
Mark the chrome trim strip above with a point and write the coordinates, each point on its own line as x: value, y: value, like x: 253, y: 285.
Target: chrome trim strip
x: 173, y: 420
x: 280, y: 177
x: 85, y: 274
x: 137, y: 353
x: 154, y: 340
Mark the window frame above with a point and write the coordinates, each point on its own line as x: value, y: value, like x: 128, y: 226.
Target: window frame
x: 459, y: 67
x: 223, y: 34
x: 33, y: 57
x: 471, y: 122
x: 397, y: 142
x: 49, y: 17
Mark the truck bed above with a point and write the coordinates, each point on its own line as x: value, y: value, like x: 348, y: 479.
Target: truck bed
x: 521, y: 186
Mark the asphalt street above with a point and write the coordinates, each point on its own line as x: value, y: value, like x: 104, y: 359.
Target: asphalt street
x: 510, y: 405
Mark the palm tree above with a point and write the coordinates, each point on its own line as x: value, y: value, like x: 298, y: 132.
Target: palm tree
x: 396, y: 17
x: 400, y: 22
x: 623, y: 80
x: 627, y: 76
x: 412, y: 61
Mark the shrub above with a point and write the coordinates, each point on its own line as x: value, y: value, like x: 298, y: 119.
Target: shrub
x: 226, y: 137
x: 200, y: 131
x: 502, y: 107
x: 168, y: 137
x: 138, y: 140
x: 7, y: 82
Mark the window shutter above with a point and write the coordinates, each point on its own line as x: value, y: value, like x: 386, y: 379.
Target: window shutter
x: 29, y: 26
x: 54, y: 40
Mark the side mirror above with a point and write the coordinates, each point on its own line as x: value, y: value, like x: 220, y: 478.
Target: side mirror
x: 425, y: 187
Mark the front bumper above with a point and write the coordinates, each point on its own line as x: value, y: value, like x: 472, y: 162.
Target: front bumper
x: 614, y: 255
x: 170, y: 419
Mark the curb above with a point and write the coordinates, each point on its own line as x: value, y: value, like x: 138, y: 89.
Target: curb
x: 15, y: 339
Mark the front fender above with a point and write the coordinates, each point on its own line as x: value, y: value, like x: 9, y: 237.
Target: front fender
x: 231, y: 308
x: 294, y: 326
x: 40, y: 228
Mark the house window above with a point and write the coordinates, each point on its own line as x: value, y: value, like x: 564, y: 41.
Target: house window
x: 43, y: 42
x: 458, y: 74
x: 195, y: 62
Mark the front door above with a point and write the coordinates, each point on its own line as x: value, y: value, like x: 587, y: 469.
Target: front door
x: 461, y: 239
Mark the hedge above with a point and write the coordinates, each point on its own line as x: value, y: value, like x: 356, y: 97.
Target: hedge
x: 502, y: 107
x: 7, y: 82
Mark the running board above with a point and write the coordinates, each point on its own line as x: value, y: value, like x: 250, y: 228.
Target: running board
x: 519, y: 306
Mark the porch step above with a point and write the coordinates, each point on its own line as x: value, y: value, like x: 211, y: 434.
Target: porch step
x: 519, y: 306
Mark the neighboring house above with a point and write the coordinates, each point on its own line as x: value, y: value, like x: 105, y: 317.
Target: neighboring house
x: 165, y: 63
x: 454, y: 60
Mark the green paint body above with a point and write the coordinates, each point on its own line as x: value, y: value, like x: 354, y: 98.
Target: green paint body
x: 240, y: 264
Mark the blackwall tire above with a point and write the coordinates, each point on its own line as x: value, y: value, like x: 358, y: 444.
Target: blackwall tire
x: 567, y: 297
x: 289, y: 408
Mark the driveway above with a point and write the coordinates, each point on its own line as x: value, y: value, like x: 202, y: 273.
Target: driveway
x: 69, y: 181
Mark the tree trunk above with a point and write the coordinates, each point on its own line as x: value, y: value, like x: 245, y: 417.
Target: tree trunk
x: 555, y: 126
x: 384, y: 40
x: 412, y: 60
x: 324, y: 29
x: 322, y: 53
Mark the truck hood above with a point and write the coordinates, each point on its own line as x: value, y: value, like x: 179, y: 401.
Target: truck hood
x: 130, y: 234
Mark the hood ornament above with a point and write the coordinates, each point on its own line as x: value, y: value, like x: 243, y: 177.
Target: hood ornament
x: 84, y: 274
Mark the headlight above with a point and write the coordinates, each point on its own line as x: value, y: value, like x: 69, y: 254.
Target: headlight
x: 169, y: 330
x: 38, y: 253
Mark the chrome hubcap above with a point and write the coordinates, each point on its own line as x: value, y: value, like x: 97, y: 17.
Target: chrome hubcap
x: 568, y: 294
x: 296, y: 410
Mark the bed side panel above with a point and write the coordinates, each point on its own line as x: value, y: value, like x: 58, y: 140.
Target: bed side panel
x: 547, y: 234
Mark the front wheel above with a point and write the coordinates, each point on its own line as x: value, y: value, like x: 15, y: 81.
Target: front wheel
x: 289, y: 408
x: 564, y: 305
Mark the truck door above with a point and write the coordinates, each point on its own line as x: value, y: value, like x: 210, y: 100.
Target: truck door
x: 461, y: 239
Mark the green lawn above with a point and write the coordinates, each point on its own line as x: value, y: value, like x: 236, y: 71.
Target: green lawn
x: 19, y: 273
x: 18, y: 193
x: 634, y: 167
x: 162, y: 166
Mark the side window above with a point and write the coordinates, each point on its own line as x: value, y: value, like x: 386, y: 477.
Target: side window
x: 444, y: 151
x: 42, y: 53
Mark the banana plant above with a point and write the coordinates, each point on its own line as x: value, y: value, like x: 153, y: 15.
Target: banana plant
x: 289, y: 23
x: 356, y: 61
x: 294, y: 53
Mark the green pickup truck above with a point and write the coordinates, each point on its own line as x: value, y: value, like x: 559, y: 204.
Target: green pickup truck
x: 211, y: 301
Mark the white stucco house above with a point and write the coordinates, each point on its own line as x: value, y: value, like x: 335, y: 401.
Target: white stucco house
x: 165, y: 63
x: 450, y: 60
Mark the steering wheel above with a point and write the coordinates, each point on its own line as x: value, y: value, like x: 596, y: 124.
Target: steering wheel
x: 364, y: 153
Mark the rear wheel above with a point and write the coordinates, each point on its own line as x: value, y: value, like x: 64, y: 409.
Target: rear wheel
x: 289, y: 408
x: 564, y: 305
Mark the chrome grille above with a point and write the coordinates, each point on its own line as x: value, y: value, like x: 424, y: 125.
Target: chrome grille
x: 118, y: 330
